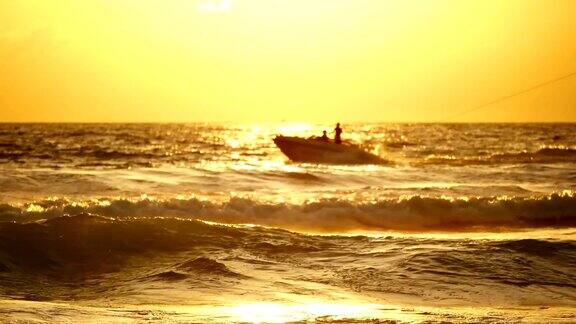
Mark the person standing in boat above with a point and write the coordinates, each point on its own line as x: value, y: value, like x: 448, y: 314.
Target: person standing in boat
x: 337, y: 134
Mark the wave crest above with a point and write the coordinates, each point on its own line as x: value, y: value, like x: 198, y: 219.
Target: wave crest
x: 415, y: 213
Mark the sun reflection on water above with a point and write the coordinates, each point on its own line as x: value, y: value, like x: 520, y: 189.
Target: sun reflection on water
x: 280, y: 313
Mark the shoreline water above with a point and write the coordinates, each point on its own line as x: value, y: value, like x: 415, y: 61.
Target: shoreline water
x: 278, y: 313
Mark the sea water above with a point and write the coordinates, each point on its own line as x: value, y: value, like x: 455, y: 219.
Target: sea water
x: 210, y: 222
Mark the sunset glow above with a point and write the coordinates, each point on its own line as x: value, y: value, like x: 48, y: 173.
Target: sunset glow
x: 253, y: 61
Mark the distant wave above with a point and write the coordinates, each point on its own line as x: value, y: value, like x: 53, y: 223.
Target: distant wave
x: 398, y: 144
x: 94, y: 157
x: 415, y: 213
x: 543, y: 155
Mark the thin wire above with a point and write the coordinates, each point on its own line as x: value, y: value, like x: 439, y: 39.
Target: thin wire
x: 540, y: 85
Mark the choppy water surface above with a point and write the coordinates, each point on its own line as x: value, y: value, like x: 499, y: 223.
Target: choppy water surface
x: 465, y: 222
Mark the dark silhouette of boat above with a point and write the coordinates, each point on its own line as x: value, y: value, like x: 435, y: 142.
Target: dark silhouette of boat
x: 316, y: 150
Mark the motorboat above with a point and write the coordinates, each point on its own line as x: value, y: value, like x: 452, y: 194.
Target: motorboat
x: 323, y: 151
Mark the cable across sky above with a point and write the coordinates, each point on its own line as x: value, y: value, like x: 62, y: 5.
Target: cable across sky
x: 504, y: 98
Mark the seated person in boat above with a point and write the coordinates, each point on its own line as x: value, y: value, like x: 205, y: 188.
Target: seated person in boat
x: 324, y: 137
x: 337, y: 134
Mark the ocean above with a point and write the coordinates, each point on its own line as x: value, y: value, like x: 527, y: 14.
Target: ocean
x: 211, y: 223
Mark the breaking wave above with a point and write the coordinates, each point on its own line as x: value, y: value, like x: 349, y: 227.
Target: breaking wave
x: 414, y: 213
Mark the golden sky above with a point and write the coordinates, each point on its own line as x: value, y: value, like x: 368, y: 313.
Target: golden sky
x: 293, y: 60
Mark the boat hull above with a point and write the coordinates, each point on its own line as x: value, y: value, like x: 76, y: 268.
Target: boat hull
x: 318, y: 151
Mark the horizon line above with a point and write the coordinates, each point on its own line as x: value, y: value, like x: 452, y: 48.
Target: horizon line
x: 287, y: 121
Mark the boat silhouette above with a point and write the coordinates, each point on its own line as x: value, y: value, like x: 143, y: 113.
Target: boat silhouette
x: 319, y: 151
